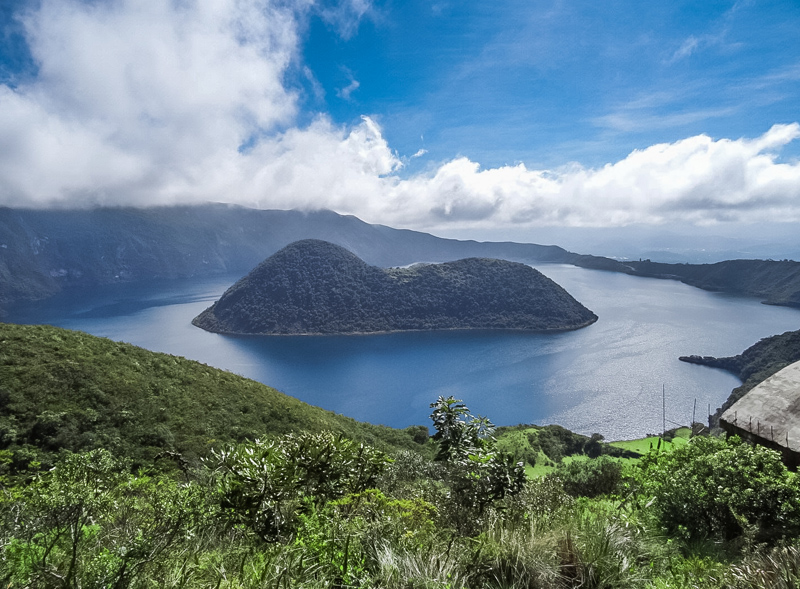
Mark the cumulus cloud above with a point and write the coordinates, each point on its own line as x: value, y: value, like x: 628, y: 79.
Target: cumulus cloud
x: 142, y: 102
x: 698, y: 180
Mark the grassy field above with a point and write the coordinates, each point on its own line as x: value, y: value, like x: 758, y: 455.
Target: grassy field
x: 545, y: 466
x: 643, y: 445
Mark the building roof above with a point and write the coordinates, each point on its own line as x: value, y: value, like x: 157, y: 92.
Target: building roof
x: 771, y: 410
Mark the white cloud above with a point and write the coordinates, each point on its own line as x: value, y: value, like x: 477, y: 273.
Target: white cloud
x: 345, y: 15
x: 143, y: 102
x: 686, y: 49
x: 344, y: 93
x: 697, y: 180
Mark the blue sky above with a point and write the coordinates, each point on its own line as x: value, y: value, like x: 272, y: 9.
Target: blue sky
x: 468, y: 118
x: 551, y: 82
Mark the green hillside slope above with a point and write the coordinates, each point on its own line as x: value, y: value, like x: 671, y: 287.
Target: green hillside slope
x: 313, y: 287
x: 775, y: 282
x: 67, y: 389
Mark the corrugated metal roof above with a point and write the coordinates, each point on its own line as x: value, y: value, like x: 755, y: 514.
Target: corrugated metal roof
x: 771, y: 410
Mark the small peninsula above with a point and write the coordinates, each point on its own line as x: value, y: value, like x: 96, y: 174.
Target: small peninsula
x: 316, y: 287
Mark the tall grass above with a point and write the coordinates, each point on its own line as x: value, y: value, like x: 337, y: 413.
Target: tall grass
x: 776, y: 569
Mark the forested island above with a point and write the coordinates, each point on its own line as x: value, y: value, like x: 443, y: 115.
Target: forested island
x: 316, y: 287
x: 45, y: 252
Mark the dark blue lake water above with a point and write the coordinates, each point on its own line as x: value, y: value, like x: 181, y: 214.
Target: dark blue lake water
x: 606, y: 378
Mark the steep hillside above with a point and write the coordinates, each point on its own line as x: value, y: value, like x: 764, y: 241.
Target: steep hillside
x: 776, y: 282
x: 755, y: 364
x: 314, y: 287
x: 63, y: 389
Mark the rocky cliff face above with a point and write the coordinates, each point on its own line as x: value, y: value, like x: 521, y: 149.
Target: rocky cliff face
x: 315, y: 287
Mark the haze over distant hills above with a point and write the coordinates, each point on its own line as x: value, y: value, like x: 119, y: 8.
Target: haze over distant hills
x: 316, y: 287
x: 685, y: 244
x: 45, y: 251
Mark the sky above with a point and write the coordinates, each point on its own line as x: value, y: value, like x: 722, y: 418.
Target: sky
x: 500, y: 119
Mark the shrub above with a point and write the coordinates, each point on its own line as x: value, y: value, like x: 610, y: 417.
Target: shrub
x: 591, y: 478
x: 712, y: 488
x: 263, y: 484
x: 478, y: 475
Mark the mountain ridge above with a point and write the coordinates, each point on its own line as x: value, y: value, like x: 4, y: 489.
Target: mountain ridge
x: 43, y: 252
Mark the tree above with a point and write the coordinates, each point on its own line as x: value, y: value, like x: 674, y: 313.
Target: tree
x: 479, y: 474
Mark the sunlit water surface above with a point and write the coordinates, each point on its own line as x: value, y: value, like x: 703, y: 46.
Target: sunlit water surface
x: 606, y: 378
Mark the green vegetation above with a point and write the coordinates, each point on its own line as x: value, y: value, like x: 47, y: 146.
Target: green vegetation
x: 672, y: 438
x: 315, y: 287
x: 318, y: 510
x: 544, y: 447
x: 322, y: 501
x: 721, y: 490
x: 63, y: 389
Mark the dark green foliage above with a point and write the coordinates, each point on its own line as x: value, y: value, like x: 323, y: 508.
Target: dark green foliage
x: 315, y: 287
x: 718, y: 489
x: 590, y: 478
x: 91, y: 247
x: 477, y: 473
x: 457, y: 432
x: 556, y: 442
x: 88, y: 523
x: 69, y: 390
x: 266, y: 484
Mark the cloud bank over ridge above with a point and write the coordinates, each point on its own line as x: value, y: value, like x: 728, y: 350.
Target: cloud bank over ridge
x: 142, y: 102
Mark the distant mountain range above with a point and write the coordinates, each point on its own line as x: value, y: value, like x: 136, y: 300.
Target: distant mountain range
x: 315, y: 287
x: 44, y: 252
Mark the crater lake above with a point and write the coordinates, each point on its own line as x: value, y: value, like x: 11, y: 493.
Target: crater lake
x: 605, y: 378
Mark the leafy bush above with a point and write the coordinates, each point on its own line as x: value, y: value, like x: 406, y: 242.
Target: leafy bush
x: 713, y: 488
x: 591, y: 478
x: 88, y: 523
x: 264, y: 484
